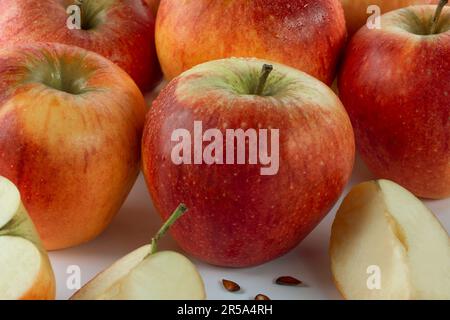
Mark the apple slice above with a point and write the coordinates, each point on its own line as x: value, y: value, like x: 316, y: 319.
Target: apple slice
x: 25, y: 270
x: 146, y: 274
x: 380, y: 224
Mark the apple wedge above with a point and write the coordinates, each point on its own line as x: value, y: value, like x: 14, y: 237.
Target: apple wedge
x: 380, y: 224
x: 146, y: 274
x: 25, y: 270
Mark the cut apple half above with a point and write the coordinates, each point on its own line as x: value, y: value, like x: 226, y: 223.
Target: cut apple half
x: 385, y: 244
x: 146, y: 274
x: 25, y: 271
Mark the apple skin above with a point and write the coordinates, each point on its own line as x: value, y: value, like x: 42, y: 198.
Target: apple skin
x: 356, y: 10
x: 126, y: 36
x: 74, y: 157
x: 394, y: 85
x: 305, y: 34
x: 154, y: 5
x: 237, y: 217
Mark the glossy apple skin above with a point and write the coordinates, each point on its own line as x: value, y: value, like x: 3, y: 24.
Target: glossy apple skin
x: 126, y: 36
x: 304, y: 34
x: 238, y: 218
x: 356, y: 10
x: 395, y: 87
x: 74, y: 158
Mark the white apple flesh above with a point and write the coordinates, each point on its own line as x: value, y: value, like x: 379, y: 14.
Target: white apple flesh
x: 165, y: 275
x: 382, y: 224
x: 146, y: 275
x: 25, y: 270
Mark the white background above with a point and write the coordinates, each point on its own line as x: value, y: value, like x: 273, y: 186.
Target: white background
x: 137, y: 222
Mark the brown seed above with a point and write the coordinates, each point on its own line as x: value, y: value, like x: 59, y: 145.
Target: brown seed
x: 262, y: 297
x: 288, y: 281
x: 230, y: 285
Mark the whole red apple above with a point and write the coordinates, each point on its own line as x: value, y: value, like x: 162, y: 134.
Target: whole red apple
x: 247, y: 205
x: 120, y: 30
x: 70, y: 129
x: 356, y: 14
x: 395, y: 85
x: 304, y: 34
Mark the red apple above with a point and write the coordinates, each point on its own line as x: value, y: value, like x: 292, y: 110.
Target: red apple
x: 70, y: 129
x: 246, y: 211
x: 395, y: 86
x: 304, y: 34
x: 120, y: 30
x: 356, y: 14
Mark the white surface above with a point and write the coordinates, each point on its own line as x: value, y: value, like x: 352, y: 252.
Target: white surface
x: 137, y: 222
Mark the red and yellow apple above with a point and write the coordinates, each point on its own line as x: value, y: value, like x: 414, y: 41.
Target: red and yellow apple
x: 120, y: 30
x: 395, y: 85
x: 356, y: 14
x: 306, y: 34
x: 70, y: 129
x: 239, y: 216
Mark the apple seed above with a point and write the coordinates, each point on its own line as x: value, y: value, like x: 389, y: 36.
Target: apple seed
x: 230, y: 285
x: 288, y: 281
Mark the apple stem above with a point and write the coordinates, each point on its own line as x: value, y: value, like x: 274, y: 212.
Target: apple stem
x: 174, y: 217
x: 265, y: 72
x: 437, y: 15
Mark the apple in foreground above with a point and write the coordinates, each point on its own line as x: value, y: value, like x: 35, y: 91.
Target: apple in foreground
x: 120, y: 30
x: 26, y: 273
x: 383, y: 228
x: 70, y: 129
x: 146, y: 274
x: 356, y: 14
x: 395, y: 86
x: 307, y: 34
x: 247, y: 206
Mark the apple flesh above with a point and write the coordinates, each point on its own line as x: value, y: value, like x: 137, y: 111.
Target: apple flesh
x: 382, y: 224
x: 70, y: 129
x: 165, y: 275
x: 120, y: 30
x: 307, y: 35
x: 26, y: 273
x: 240, y: 217
x: 394, y: 85
x: 356, y: 14
x: 146, y: 274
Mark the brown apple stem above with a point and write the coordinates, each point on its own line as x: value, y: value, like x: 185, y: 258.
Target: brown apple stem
x: 437, y: 15
x: 265, y: 72
x: 174, y: 217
